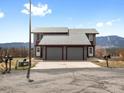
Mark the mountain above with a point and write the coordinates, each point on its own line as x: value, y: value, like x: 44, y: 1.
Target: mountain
x: 110, y: 41
x: 103, y: 41
x: 14, y: 45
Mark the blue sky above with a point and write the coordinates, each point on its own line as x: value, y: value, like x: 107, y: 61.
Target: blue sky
x: 107, y: 16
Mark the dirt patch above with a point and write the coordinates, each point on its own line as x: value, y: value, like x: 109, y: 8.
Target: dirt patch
x: 100, y: 80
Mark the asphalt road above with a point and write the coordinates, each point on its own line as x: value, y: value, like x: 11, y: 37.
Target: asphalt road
x: 86, y: 80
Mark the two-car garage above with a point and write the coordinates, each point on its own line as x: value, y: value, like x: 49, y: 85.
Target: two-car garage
x: 64, y: 53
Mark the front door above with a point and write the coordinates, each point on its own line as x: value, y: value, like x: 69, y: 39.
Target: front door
x: 38, y: 51
x: 90, y: 51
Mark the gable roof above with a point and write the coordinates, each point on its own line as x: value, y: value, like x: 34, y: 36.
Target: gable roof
x: 50, y: 30
x: 80, y: 31
x: 60, y: 30
x: 70, y: 36
x: 80, y: 39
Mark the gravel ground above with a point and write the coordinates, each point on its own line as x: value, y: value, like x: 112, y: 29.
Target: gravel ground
x: 88, y: 80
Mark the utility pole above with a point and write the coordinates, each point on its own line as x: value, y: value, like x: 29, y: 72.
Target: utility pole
x: 29, y: 68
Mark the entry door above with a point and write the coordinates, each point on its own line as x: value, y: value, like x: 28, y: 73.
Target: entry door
x: 90, y: 51
x: 38, y: 51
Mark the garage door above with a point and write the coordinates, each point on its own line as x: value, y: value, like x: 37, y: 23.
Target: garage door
x: 54, y: 53
x: 74, y: 53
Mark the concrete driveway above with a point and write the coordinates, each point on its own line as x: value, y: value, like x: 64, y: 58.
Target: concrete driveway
x: 64, y: 64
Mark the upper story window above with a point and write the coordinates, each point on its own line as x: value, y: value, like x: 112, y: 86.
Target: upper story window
x: 91, y: 37
x: 41, y: 36
x: 38, y: 36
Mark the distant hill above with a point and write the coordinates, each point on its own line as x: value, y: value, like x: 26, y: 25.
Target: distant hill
x: 110, y: 41
x: 103, y: 41
x: 14, y: 45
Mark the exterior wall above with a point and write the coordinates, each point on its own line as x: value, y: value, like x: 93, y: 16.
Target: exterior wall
x: 92, y: 38
x: 94, y: 51
x: 44, y: 53
x: 85, y: 53
x: 35, y: 38
x: 64, y: 53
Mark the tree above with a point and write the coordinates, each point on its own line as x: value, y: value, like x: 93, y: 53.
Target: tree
x: 100, y: 52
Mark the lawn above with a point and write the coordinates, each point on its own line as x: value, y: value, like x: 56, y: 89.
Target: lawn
x: 14, y: 64
x: 113, y: 64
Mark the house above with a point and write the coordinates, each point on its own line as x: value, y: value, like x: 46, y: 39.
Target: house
x: 61, y: 43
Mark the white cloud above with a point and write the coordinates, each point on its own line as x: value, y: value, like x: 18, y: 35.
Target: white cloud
x: 39, y: 10
x: 1, y: 14
x: 109, y: 23
x: 116, y: 20
x: 79, y: 26
x: 100, y: 24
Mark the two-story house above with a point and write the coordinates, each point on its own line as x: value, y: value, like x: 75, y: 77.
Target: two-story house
x: 61, y: 43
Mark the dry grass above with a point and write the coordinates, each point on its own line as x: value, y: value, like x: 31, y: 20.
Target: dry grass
x: 114, y: 64
x: 13, y: 64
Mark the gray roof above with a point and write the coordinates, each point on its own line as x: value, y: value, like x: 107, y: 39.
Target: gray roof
x: 50, y: 30
x: 79, y: 39
x: 80, y: 31
x: 63, y: 30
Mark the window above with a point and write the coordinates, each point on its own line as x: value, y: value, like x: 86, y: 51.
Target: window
x: 91, y: 37
x: 38, y: 36
x: 41, y: 36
